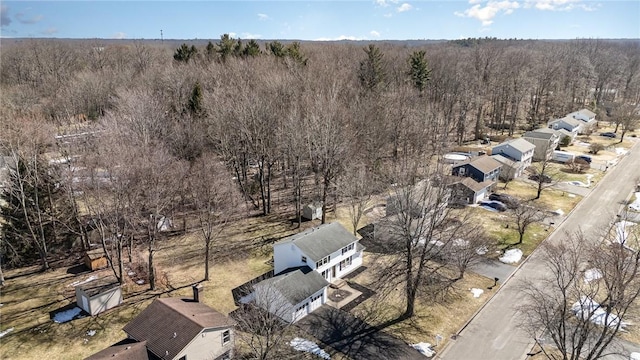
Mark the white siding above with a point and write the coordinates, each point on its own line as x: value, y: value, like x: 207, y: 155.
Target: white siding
x: 306, y: 305
x: 336, y: 258
x: 207, y: 345
x: 287, y: 255
x: 100, y: 302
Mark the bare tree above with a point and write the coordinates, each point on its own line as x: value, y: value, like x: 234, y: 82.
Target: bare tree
x: 214, y: 197
x: 357, y: 187
x: 579, y: 305
x: 523, y: 216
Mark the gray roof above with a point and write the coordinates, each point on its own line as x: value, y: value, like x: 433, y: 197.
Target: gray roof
x: 296, y: 284
x: 505, y: 160
x: 476, y: 186
x: 319, y: 242
x: 543, y: 133
x: 124, y: 350
x: 585, y: 112
x: 99, y: 286
x: 519, y: 144
x: 483, y: 163
x: 569, y: 120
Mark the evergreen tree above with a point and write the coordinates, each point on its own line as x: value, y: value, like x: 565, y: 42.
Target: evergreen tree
x: 372, y: 73
x: 276, y: 49
x: 211, y: 50
x: 294, y: 52
x: 185, y: 53
x: 195, y: 102
x: 419, y: 71
x: 252, y: 49
x: 226, y: 47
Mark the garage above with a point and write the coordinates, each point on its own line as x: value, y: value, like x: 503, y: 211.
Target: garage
x: 315, y: 303
x: 301, y: 311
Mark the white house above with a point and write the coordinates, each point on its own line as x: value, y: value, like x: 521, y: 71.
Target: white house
x: 304, y: 265
x: 587, y: 117
x: 519, y: 150
x: 511, y: 169
x: 569, y: 124
x: 329, y: 249
x: 545, y: 140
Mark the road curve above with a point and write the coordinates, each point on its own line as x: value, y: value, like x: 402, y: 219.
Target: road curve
x: 494, y: 332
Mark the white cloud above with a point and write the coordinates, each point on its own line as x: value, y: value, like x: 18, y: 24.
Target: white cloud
x: 232, y: 34
x: 119, y: 35
x: 5, y: 20
x: 404, y: 7
x: 388, y: 15
x: 26, y: 19
x: 374, y: 33
x: 558, y: 5
x: 385, y: 3
x: 49, y: 31
x: 251, y: 36
x: 341, y: 37
x: 487, y: 12
x: 263, y: 16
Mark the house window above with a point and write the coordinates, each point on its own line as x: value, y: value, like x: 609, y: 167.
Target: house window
x: 226, y: 356
x: 304, y: 259
x: 323, y: 261
x: 345, y: 263
x: 226, y: 337
x: 183, y: 358
x: 347, y: 248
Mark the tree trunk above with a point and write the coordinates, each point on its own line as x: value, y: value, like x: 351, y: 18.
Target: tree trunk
x: 325, y: 189
x: 152, y: 271
x: 206, y: 258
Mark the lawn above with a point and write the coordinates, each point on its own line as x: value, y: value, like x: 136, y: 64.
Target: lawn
x: 550, y: 199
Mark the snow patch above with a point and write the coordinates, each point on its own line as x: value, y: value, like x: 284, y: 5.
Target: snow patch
x: 621, y: 231
x: 91, y: 332
x: 3, y: 333
x: 621, y: 151
x: 592, y: 274
x: 424, y: 349
x: 308, y: 346
x: 559, y: 212
x: 587, y: 308
x: 476, y: 292
x: 511, y: 256
x: 140, y: 282
x: 635, y: 205
x: 67, y: 315
x: 80, y: 282
x: 482, y: 250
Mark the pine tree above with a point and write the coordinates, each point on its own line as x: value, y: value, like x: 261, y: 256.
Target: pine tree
x: 185, y: 53
x: 195, y: 102
x: 372, y: 73
x: 276, y: 49
x: 226, y: 47
x: 252, y: 49
x: 419, y: 71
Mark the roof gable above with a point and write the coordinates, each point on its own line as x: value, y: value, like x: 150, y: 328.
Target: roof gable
x: 170, y: 324
x: 319, y: 242
x: 519, y: 144
x: 126, y: 350
x: 474, y: 185
x: 296, y: 284
x: 483, y: 163
x: 543, y: 133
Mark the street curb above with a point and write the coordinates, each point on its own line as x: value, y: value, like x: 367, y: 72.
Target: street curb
x: 464, y: 326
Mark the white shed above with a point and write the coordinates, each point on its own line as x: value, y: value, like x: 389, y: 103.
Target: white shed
x: 99, y: 295
x: 312, y: 211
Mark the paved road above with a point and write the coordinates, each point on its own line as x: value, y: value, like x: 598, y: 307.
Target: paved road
x: 493, y: 269
x: 495, y: 332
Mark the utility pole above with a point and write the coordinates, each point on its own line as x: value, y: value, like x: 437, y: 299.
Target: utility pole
x: 161, y: 38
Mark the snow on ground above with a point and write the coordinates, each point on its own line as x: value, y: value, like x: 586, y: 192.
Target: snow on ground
x: 482, y: 250
x: 621, y: 151
x: 476, y: 292
x: 621, y: 231
x: 91, y: 332
x: 3, y: 333
x: 592, y: 274
x: 308, y: 346
x: 636, y: 204
x: 587, y: 307
x: 80, y: 282
x: 67, y: 315
x: 511, y: 256
x: 424, y: 349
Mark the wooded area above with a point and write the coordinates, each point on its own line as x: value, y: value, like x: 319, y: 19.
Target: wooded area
x: 118, y: 139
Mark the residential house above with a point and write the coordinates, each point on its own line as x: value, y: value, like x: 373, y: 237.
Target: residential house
x: 519, y: 150
x: 470, y: 191
x: 482, y: 168
x: 127, y: 349
x: 588, y: 119
x: 304, y: 266
x: 567, y: 123
x: 545, y: 140
x: 511, y: 169
x: 182, y: 328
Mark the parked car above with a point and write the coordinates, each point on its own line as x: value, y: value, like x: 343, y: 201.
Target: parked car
x: 536, y: 178
x: 586, y: 158
x: 497, y: 205
x: 609, y: 135
x: 508, y: 200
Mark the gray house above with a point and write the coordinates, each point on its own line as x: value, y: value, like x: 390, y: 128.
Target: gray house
x: 587, y: 117
x: 99, y: 295
x: 545, y: 140
x: 182, y: 328
x: 571, y: 125
x: 469, y: 191
x: 482, y: 168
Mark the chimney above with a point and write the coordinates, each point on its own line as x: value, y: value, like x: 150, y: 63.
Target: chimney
x: 197, y: 292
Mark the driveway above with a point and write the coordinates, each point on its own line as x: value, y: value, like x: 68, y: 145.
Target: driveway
x: 354, y: 337
x: 492, y: 268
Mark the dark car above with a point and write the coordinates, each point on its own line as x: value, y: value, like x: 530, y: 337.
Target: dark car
x: 536, y: 178
x: 508, y: 200
x: 609, y: 135
x: 586, y: 158
x: 497, y: 205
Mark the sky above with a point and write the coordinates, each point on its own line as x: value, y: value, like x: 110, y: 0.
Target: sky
x: 322, y: 20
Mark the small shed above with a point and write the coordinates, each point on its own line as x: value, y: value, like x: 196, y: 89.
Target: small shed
x: 312, y: 211
x: 95, y: 259
x: 99, y: 295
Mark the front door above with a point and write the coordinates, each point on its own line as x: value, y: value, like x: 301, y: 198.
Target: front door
x: 333, y: 271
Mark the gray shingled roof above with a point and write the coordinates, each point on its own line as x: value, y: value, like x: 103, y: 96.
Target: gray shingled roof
x: 169, y: 324
x: 569, y: 120
x: 484, y: 163
x: 319, y: 242
x: 586, y: 112
x: 296, y: 284
x: 521, y: 145
x: 505, y: 160
x: 125, y: 350
x: 474, y: 185
x: 543, y: 133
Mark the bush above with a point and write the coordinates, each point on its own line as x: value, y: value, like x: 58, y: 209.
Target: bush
x: 565, y: 141
x: 595, y: 147
x: 577, y: 166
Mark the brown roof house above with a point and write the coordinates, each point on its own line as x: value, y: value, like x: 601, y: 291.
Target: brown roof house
x: 479, y: 176
x: 179, y: 328
x: 124, y: 350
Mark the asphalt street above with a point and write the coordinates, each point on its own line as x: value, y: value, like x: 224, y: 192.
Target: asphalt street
x: 495, y: 332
